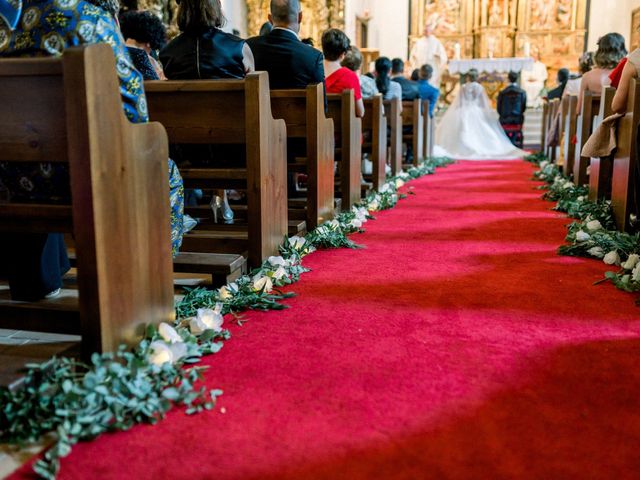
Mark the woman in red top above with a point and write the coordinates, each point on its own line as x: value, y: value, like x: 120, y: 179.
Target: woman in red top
x: 335, y: 45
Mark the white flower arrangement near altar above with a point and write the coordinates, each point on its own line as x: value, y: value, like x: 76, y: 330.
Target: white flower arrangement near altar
x: 117, y: 390
x: 593, y: 235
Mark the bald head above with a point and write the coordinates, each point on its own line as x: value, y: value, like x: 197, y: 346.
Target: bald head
x: 286, y: 14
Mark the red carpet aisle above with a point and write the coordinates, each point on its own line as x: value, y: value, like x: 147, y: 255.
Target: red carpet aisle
x: 457, y: 345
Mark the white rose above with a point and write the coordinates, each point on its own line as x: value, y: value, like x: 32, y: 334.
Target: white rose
x: 596, y: 252
x: 544, y: 164
x: 225, y: 293
x: 206, y: 319
x: 385, y: 188
x: 582, y: 236
x: 626, y: 278
x: 635, y: 275
x: 262, y: 283
x: 162, y: 353
x: 355, y: 223
x: 297, y: 242
x: 594, y: 226
x: 333, y: 224
x: 580, y: 198
x: 169, y: 334
x: 280, y: 273
x: 277, y: 261
x: 612, y: 258
x: 394, y: 198
x: 399, y: 183
x: 373, y: 206
x: 567, y: 185
x: 631, y: 262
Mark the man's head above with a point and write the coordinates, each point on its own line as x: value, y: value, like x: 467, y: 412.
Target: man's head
x: 563, y: 75
x: 428, y: 29
x: 426, y: 72
x: 286, y: 14
x: 335, y: 44
x: 513, y: 76
x: 397, y: 66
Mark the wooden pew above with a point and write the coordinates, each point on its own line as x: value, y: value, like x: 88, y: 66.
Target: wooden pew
x: 222, y: 112
x: 69, y: 110
x: 374, y: 127
x: 348, y: 137
x: 545, y: 125
x: 569, y: 133
x: 552, y: 149
x: 428, y: 139
x: 393, y: 112
x: 584, y: 128
x: 602, y: 167
x: 412, y: 117
x: 304, y: 114
x: 624, y: 162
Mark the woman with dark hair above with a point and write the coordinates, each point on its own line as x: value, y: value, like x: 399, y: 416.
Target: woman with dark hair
x: 145, y: 35
x: 37, y: 262
x: 203, y: 50
x: 386, y: 87
x: 611, y: 49
x: 562, y: 79
x: 335, y: 45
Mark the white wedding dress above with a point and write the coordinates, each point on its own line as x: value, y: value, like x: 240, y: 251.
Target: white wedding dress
x: 470, y: 129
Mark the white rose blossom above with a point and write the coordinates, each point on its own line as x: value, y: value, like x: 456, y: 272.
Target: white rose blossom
x: 631, y: 262
x: 635, y: 275
x: 225, y: 293
x: 161, y: 352
x: 582, y: 236
x: 612, y: 258
x: 207, y: 319
x: 169, y: 334
x: 297, y: 242
x: 596, y: 252
x: 262, y: 283
x: 280, y: 273
x: 399, y: 183
x: 277, y: 261
x: 355, y: 223
x: 594, y: 226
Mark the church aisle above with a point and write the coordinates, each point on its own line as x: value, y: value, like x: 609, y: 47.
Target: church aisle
x: 456, y: 345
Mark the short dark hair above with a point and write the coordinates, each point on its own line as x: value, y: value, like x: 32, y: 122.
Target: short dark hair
x: 144, y: 27
x: 426, y: 72
x: 198, y: 15
x: 563, y: 75
x: 334, y: 43
x: 285, y: 11
x: 513, y: 76
x: 397, y: 66
x: 266, y: 28
x: 472, y: 75
x: 308, y: 41
x: 353, y: 59
x: 611, y: 49
x: 415, y: 75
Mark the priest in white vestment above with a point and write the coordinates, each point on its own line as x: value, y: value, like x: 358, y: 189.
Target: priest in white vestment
x: 429, y: 50
x: 533, y: 82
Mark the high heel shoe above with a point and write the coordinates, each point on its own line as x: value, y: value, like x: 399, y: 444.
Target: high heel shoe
x: 220, y: 206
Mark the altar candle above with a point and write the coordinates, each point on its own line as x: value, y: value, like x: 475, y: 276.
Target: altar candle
x: 456, y: 51
x: 527, y: 49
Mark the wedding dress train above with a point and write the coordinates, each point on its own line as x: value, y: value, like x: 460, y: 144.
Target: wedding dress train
x: 470, y: 129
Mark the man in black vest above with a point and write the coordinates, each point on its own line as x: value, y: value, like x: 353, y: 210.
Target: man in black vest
x: 512, y: 103
x: 290, y: 63
x: 409, y: 88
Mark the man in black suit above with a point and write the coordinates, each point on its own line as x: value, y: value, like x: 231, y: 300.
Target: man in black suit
x: 512, y: 103
x: 290, y: 63
x: 409, y: 88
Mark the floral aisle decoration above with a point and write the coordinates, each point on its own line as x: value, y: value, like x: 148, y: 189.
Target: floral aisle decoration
x: 593, y: 234
x: 79, y: 401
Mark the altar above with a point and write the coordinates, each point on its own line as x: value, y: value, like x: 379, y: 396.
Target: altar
x: 491, y: 65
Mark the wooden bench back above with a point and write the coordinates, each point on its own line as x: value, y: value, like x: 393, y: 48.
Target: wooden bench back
x: 569, y: 133
x: 70, y: 110
x: 393, y: 112
x: 602, y: 168
x: 304, y: 114
x: 412, y: 116
x: 552, y: 144
x: 584, y: 128
x: 623, y: 184
x: 428, y: 140
x: 545, y: 125
x: 239, y: 112
x: 348, y: 134
x: 375, y: 121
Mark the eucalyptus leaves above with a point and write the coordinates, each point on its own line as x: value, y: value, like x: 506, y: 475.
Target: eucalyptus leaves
x: 116, y: 391
x: 594, y: 234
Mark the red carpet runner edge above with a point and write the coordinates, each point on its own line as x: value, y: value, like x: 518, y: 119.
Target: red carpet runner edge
x: 456, y: 345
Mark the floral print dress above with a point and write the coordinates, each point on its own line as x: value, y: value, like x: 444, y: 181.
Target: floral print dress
x: 46, y: 28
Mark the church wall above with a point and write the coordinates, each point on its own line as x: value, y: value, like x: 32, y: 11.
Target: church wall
x: 610, y: 16
x: 236, y: 13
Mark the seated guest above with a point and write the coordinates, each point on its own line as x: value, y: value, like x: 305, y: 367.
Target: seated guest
x: 37, y: 262
x: 426, y: 90
x: 415, y: 75
x: 386, y: 87
x: 145, y: 35
x: 585, y: 64
x: 512, y: 103
x: 409, y: 88
x: 335, y: 45
x: 611, y: 49
x: 558, y: 91
x: 203, y: 50
x: 353, y: 61
x: 290, y: 63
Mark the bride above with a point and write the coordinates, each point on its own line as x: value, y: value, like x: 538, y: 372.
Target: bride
x: 470, y: 129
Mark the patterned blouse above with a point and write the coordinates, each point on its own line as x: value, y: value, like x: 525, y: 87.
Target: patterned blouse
x: 46, y: 28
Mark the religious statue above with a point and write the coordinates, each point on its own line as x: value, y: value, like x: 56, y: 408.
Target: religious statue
x: 429, y: 50
x: 541, y: 17
x: 444, y: 15
x: 495, y: 14
x: 533, y: 82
